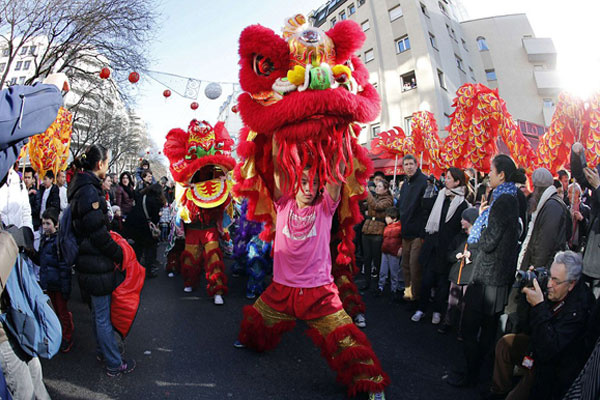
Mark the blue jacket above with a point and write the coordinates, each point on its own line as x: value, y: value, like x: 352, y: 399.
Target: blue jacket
x: 55, y: 275
x: 24, y: 111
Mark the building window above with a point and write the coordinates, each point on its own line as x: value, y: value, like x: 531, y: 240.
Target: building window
x: 351, y: 9
x: 409, y: 81
x: 369, y: 55
x: 18, y: 65
x: 5, y: 53
x: 538, y: 67
x: 453, y: 34
x: 13, y: 81
x: 374, y: 84
x: 459, y: 63
x: 443, y: 8
x: 482, y: 44
x: 402, y: 44
x: 395, y: 13
x: 32, y: 50
x: 365, y: 26
x: 407, y: 126
x: 472, y: 73
x: 333, y: 21
x: 24, y: 50
x: 464, y: 44
x: 375, y: 129
x: 450, y: 31
x: 548, y: 103
x: 2, y: 66
x: 21, y: 80
x: 447, y: 119
x: 490, y: 75
x: 432, y: 40
x: 424, y: 10
x: 342, y: 15
x: 441, y: 79
x: 361, y: 2
x: 26, y: 65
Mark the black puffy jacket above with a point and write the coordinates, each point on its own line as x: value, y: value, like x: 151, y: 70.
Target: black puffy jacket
x: 98, y: 252
x: 496, y: 259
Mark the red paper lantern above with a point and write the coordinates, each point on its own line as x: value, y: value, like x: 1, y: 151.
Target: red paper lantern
x: 167, y: 93
x: 234, y: 109
x: 104, y: 73
x: 134, y: 77
x: 194, y: 105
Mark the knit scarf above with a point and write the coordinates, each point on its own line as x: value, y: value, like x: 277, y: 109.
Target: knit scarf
x: 433, y: 223
x: 482, y: 221
x: 549, y: 192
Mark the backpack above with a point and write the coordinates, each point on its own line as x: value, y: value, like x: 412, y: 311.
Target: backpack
x: 67, y: 242
x: 29, y: 318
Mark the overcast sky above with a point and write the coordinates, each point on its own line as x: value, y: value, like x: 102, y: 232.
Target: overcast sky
x: 199, y: 39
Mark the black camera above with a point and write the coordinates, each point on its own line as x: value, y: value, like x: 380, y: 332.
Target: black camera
x: 525, y: 278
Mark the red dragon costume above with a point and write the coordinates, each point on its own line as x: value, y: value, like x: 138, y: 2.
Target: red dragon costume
x: 200, y: 162
x: 306, y: 91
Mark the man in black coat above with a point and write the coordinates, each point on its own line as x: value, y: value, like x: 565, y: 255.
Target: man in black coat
x: 48, y: 196
x: 413, y: 219
x: 31, y: 185
x: 553, y: 350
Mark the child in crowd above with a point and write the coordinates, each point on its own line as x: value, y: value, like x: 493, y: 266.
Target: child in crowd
x: 459, y: 277
x: 391, y: 250
x: 116, y: 225
x: 55, y: 275
x: 164, y: 222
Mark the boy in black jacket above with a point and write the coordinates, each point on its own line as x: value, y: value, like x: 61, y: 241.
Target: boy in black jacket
x: 55, y: 275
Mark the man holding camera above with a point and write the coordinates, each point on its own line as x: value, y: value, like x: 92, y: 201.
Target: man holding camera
x: 551, y: 352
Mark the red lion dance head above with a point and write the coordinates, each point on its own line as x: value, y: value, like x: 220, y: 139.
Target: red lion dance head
x: 200, y: 161
x: 306, y: 90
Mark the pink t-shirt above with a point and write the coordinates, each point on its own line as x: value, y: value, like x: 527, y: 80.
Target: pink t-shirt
x: 301, y: 255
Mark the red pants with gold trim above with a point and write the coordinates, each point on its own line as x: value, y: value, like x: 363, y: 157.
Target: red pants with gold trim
x: 202, y: 247
x: 343, y: 345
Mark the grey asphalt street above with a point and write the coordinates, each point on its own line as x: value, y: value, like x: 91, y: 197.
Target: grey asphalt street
x: 183, y: 347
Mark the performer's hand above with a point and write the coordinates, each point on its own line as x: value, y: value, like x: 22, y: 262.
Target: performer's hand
x: 578, y: 216
x: 399, y: 252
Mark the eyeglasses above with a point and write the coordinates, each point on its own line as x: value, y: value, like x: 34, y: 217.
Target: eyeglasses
x: 556, y: 282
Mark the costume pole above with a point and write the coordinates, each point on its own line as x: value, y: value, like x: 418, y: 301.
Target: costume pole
x: 395, y: 168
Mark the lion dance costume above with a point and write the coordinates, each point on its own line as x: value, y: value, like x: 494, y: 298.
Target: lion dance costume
x: 200, y: 162
x: 306, y: 91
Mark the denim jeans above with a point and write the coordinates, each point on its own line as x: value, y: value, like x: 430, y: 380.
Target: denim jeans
x: 23, y: 378
x: 390, y: 265
x: 105, y: 336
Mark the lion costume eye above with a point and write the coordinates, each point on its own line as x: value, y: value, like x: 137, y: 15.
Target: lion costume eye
x: 262, y: 66
x: 349, y: 65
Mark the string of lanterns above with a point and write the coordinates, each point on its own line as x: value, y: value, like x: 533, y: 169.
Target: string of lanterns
x: 212, y: 91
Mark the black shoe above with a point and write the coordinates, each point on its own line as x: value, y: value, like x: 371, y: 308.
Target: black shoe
x: 459, y: 380
x: 444, y: 328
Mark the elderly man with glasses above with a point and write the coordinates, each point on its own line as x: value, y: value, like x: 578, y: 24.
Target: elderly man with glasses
x: 550, y: 352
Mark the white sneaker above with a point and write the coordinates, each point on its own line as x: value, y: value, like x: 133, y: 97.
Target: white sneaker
x: 436, y: 318
x: 187, y: 289
x: 171, y: 275
x: 360, y: 321
x: 417, y: 316
x: 218, y: 300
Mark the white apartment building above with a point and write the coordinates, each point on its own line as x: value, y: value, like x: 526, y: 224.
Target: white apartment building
x: 418, y: 54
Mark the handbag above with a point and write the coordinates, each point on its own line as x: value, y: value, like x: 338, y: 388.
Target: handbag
x: 461, y: 272
x: 154, y: 230
x: 591, y: 253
